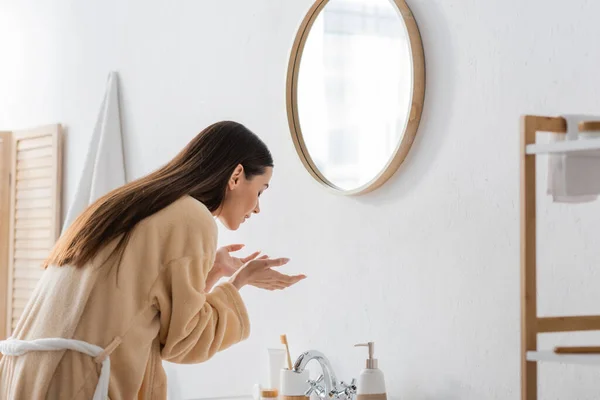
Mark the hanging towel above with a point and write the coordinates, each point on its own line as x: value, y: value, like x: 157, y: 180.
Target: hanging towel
x: 572, y: 177
x: 104, y: 168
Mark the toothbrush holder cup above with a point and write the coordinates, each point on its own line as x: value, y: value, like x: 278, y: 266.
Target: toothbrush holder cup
x: 294, y: 385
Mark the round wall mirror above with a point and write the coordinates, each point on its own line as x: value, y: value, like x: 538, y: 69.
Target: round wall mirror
x: 355, y: 89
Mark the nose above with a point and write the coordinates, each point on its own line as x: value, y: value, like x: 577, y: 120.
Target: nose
x: 257, y: 208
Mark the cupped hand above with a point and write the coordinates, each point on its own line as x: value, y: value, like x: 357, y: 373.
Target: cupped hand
x: 260, y: 273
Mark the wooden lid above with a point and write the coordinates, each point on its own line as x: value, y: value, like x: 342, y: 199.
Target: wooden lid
x: 269, y: 393
x: 589, y: 126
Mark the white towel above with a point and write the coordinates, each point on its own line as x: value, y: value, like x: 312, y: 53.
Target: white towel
x: 572, y: 177
x: 104, y: 168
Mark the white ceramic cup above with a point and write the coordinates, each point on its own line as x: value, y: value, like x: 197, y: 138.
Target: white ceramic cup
x: 293, y: 383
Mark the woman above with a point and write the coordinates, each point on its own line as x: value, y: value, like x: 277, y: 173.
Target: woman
x: 132, y: 275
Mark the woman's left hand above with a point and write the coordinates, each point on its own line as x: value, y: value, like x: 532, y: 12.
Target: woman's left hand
x: 226, y: 265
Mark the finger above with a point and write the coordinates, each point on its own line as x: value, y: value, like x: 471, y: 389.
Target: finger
x: 292, y: 280
x: 260, y: 260
x: 274, y: 277
x: 268, y: 287
x: 286, y: 278
x: 279, y: 284
x: 264, y: 284
x: 234, y: 247
x: 261, y: 284
x: 276, y: 262
x: 263, y: 281
x: 250, y: 257
x: 298, y: 278
x: 284, y: 285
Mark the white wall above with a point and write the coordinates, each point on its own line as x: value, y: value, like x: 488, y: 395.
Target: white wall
x: 427, y: 266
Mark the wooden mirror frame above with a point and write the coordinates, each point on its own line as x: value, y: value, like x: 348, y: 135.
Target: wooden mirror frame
x: 418, y: 95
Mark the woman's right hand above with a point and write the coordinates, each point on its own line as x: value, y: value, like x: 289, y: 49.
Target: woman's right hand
x: 259, y: 273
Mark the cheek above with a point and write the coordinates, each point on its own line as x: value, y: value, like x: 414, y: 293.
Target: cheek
x: 251, y: 202
x: 242, y: 203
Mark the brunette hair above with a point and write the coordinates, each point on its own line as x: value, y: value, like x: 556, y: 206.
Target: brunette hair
x: 201, y: 170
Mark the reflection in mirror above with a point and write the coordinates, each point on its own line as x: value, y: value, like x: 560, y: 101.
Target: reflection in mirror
x: 354, y: 90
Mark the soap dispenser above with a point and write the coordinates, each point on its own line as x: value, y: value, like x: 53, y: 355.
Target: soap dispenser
x: 371, y: 383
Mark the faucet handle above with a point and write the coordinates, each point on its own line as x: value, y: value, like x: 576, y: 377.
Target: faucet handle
x: 348, y: 390
x: 315, y: 387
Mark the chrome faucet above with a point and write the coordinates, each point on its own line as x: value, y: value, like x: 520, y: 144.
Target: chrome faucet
x: 331, y: 388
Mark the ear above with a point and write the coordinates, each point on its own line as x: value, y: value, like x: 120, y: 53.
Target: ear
x: 236, y: 177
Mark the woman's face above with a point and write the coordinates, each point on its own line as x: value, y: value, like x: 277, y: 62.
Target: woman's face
x: 242, y: 197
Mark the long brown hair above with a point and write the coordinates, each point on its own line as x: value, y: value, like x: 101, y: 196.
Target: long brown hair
x: 202, y: 170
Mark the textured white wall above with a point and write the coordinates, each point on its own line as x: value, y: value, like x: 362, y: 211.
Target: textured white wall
x: 427, y: 266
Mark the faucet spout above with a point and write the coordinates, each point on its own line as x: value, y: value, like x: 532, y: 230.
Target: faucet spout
x: 330, y: 381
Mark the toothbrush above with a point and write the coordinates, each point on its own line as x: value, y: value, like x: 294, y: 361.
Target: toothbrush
x: 284, y: 341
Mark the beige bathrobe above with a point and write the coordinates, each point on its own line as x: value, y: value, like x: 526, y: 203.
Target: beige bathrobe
x: 152, y: 307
